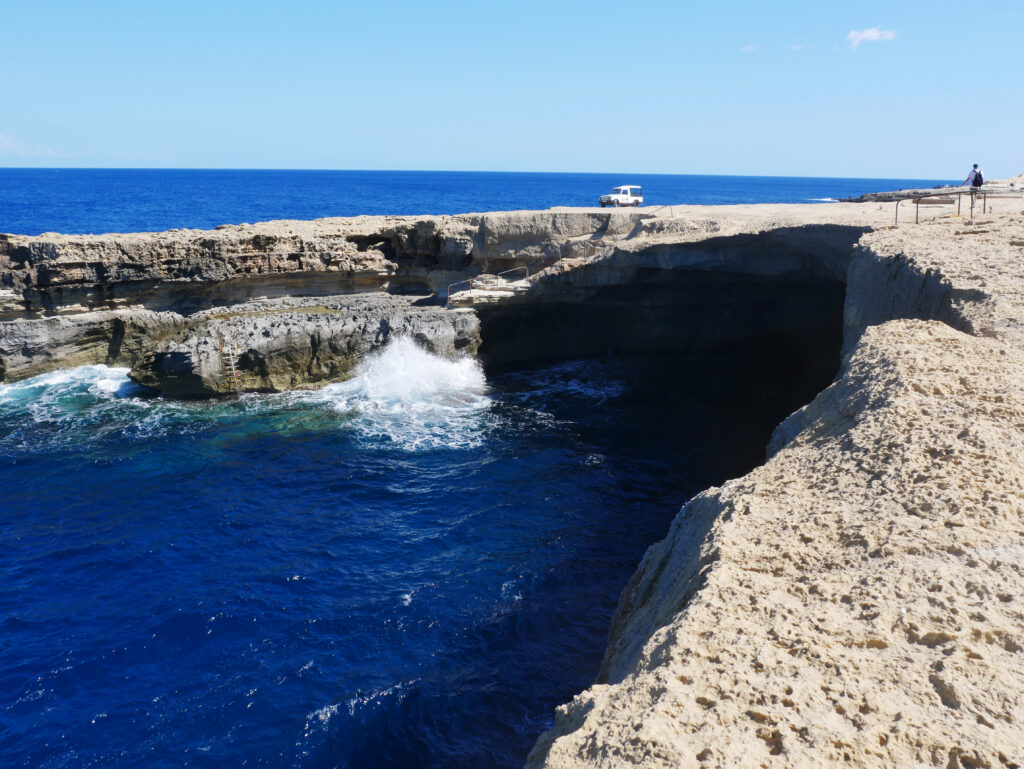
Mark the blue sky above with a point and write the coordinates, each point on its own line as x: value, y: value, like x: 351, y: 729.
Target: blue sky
x: 920, y: 90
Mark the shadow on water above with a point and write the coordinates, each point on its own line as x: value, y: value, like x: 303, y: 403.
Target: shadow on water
x: 329, y: 580
x: 683, y: 423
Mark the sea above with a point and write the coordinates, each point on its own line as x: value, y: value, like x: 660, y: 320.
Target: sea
x: 37, y: 200
x: 411, y: 568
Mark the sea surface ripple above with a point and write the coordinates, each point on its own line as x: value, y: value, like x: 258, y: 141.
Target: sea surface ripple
x: 408, y: 569
x: 98, y: 200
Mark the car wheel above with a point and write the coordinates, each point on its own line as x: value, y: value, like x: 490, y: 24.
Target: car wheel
x: 602, y: 205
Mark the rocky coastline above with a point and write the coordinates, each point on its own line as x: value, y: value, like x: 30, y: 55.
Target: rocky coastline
x: 855, y: 601
x: 295, y: 304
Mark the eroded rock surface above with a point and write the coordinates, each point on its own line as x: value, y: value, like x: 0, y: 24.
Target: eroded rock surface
x: 289, y: 344
x: 36, y: 345
x: 859, y: 599
x: 118, y: 298
x: 70, y: 272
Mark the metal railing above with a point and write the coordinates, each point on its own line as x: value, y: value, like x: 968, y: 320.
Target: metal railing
x: 469, y: 282
x: 947, y: 194
x: 524, y: 268
x: 451, y: 288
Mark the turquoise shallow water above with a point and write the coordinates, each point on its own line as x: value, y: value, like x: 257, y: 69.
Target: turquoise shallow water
x: 410, y: 569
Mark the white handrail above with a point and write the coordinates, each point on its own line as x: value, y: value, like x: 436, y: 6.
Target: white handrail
x: 469, y: 282
x: 448, y: 297
x: 524, y: 267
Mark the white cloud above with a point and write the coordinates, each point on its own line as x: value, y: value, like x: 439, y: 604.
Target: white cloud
x: 873, y: 35
x: 748, y: 48
x: 796, y: 47
x: 8, y: 145
x: 12, y: 148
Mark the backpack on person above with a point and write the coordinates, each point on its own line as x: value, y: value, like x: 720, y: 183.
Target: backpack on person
x: 978, y: 179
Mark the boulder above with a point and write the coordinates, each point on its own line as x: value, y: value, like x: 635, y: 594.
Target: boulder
x: 288, y: 344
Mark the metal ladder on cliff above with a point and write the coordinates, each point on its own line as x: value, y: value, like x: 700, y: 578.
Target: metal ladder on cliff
x: 230, y: 361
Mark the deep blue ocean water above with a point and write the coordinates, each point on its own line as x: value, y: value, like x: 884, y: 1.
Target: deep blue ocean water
x: 409, y: 569
x: 36, y: 200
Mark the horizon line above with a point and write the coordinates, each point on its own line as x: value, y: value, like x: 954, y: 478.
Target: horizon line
x: 455, y: 171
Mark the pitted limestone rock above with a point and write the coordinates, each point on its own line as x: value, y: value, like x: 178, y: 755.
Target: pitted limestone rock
x: 295, y: 343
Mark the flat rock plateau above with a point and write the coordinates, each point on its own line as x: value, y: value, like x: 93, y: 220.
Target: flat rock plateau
x: 858, y: 600
x: 855, y: 601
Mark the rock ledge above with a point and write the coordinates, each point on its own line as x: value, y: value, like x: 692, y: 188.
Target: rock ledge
x: 858, y: 600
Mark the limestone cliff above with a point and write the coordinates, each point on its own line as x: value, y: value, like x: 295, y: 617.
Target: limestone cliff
x: 857, y: 600
x: 160, y: 302
x: 287, y: 344
x: 181, y: 268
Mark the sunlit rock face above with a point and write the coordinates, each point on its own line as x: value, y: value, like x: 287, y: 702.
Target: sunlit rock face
x: 855, y: 601
x: 290, y: 344
x: 271, y: 295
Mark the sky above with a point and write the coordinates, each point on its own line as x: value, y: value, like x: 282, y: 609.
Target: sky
x: 894, y: 89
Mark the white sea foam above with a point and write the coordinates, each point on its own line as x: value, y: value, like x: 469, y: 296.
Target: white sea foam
x: 414, y: 399
x: 823, y: 200
x: 577, y: 379
x: 79, y: 405
x: 402, y: 395
x: 317, y: 721
x: 512, y: 590
x: 58, y: 406
x: 379, y: 697
x: 98, y: 380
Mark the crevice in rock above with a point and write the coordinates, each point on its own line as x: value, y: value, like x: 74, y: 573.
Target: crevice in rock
x: 117, y: 331
x: 662, y: 312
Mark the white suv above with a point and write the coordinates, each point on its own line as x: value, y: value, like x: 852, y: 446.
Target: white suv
x: 626, y: 195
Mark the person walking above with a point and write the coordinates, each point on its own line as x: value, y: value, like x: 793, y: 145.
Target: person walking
x: 974, y: 178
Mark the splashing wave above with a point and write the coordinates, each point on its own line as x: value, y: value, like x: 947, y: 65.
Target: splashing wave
x: 406, y: 395
x: 401, y: 395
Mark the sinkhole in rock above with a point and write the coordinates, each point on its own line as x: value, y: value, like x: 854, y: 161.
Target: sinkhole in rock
x: 779, y: 337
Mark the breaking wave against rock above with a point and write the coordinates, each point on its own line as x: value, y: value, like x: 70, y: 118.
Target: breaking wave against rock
x: 410, y: 568
x: 401, y: 395
x: 414, y: 399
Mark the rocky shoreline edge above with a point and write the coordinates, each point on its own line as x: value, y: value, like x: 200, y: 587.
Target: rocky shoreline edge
x: 858, y: 600
x: 854, y: 601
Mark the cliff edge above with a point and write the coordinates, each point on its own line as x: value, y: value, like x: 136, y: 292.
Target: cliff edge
x: 287, y: 304
x: 858, y: 600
